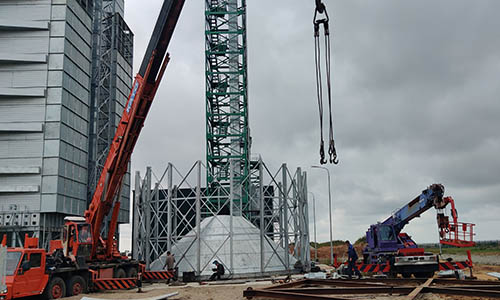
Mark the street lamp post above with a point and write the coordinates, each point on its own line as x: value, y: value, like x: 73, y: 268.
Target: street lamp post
x: 329, y: 210
x: 314, y: 224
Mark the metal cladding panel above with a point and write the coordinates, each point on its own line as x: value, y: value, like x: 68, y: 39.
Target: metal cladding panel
x: 19, y: 136
x: 22, y: 113
x: 20, y: 180
x: 19, y: 201
x: 20, y: 149
x: 66, y: 192
x: 48, y: 203
x: 24, y: 58
x: 24, y: 79
x: 78, y: 41
x: 19, y: 93
x: 21, y: 127
x: 80, y: 22
x: 32, y: 11
x: 45, y: 82
x: 81, y: 59
x: 124, y: 215
x: 20, y: 162
x: 25, y: 45
x: 81, y: 76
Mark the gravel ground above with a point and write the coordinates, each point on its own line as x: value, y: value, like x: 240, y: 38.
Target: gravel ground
x: 191, y: 291
x: 476, y: 259
x: 194, y: 291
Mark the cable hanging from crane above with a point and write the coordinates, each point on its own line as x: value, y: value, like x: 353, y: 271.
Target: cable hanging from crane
x: 321, y: 9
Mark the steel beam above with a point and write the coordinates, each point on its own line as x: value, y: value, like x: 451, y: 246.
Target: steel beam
x: 350, y: 290
x: 476, y: 292
x: 419, y: 289
x: 250, y: 293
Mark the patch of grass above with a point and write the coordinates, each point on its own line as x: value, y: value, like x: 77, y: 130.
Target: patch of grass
x: 361, y: 240
x: 335, y: 243
x: 481, y: 248
x: 473, y: 250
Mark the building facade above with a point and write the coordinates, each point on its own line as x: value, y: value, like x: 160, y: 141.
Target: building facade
x: 46, y: 109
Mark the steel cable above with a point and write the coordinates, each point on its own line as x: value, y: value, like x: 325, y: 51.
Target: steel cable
x: 320, y: 8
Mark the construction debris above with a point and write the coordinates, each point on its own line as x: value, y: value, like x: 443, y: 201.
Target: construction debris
x: 161, y: 297
x: 323, y: 289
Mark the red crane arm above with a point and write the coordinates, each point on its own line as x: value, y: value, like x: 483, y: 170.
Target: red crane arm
x: 139, y: 101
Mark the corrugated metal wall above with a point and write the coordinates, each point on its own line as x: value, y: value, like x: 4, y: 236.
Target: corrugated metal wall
x: 45, y: 81
x: 24, y: 57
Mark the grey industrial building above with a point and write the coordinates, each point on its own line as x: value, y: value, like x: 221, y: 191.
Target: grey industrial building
x: 65, y: 74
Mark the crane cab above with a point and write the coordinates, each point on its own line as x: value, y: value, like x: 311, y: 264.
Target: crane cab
x: 77, y: 237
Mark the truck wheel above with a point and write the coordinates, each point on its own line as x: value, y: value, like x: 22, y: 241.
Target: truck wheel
x: 132, y: 272
x: 120, y: 273
x: 56, y: 289
x: 77, y: 286
x: 406, y: 275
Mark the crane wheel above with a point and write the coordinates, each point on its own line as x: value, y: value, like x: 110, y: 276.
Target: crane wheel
x: 77, y: 286
x: 120, y: 273
x: 56, y: 289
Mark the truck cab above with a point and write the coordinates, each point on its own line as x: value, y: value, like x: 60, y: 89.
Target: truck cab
x: 25, y: 272
x: 77, y: 238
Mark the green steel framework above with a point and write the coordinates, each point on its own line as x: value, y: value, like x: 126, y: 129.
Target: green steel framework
x: 227, y: 130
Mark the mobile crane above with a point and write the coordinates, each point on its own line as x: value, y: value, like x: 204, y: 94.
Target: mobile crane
x: 386, y: 242
x: 84, y: 259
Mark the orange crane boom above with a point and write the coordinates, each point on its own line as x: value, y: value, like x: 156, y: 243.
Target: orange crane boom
x: 140, y: 99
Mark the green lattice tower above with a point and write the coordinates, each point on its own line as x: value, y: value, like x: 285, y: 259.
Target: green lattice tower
x: 228, y: 138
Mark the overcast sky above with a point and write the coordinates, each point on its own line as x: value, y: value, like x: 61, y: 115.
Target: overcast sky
x: 416, y: 101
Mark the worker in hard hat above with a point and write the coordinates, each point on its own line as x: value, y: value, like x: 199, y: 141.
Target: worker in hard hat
x: 218, y: 271
x: 169, y: 265
x: 352, y: 257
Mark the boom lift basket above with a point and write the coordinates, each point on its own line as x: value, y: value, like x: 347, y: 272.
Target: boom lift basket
x: 454, y: 233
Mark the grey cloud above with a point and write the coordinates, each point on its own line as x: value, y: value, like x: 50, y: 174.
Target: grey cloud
x: 416, y: 101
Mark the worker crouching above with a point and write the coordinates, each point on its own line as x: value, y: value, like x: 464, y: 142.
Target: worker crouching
x: 218, y: 271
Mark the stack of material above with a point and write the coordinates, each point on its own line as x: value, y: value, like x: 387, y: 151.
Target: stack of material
x: 216, y: 245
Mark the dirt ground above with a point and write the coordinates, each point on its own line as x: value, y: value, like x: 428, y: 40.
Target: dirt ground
x: 480, y: 271
x: 340, y: 251
x: 189, y: 292
x: 195, y: 291
x: 230, y: 292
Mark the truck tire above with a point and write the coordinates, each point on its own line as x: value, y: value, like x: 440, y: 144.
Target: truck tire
x: 120, y: 273
x: 55, y: 289
x: 132, y: 272
x: 77, y: 286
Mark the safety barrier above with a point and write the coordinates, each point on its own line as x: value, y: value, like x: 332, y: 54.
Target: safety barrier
x: 157, y: 275
x: 115, y: 283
